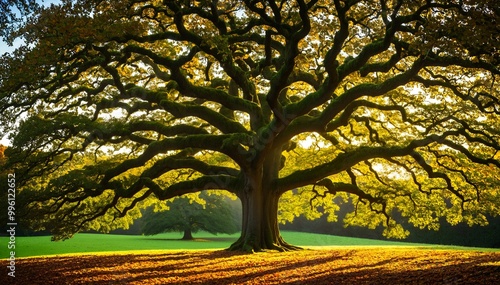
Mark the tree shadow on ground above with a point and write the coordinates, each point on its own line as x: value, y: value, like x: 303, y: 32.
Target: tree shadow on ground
x: 363, y: 266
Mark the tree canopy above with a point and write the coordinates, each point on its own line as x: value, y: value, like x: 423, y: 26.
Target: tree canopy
x: 12, y: 13
x: 390, y: 105
x: 2, y: 155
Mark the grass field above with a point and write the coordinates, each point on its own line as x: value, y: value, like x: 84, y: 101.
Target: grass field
x: 84, y: 243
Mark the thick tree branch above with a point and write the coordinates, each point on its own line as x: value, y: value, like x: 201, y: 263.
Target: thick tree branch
x: 226, y: 144
x: 348, y: 159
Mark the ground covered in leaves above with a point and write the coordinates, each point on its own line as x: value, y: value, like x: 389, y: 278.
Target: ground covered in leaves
x: 326, y: 266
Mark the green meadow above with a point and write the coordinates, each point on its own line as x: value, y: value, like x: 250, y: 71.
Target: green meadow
x: 91, y: 243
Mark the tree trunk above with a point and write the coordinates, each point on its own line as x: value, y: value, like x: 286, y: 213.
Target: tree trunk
x: 187, y: 235
x: 260, y: 230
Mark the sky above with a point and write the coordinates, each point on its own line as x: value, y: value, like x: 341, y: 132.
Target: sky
x: 5, y: 48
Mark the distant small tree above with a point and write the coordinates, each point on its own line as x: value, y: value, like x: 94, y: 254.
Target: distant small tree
x: 212, y: 214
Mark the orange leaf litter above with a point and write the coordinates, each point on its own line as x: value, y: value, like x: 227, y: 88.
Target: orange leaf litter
x: 325, y: 266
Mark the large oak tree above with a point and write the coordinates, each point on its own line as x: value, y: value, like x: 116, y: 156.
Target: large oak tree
x: 391, y: 105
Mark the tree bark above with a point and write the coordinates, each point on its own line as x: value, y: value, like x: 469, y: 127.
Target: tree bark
x: 260, y: 230
x: 187, y: 235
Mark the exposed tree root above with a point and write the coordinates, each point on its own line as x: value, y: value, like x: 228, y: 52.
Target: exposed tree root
x: 250, y: 246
